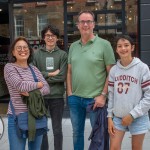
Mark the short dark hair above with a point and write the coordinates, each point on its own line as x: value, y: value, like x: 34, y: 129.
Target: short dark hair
x: 126, y: 37
x: 12, y: 58
x: 50, y: 28
x: 86, y: 12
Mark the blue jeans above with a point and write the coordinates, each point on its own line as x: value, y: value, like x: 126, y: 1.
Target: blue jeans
x: 77, y: 107
x: 16, y: 143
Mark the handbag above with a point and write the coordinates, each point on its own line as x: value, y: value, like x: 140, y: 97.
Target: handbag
x: 22, y: 124
x: 22, y: 119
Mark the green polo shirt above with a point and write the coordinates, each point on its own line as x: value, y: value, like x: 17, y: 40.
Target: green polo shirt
x: 88, y: 64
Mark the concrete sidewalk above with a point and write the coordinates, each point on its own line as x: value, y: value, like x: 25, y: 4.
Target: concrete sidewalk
x: 67, y: 133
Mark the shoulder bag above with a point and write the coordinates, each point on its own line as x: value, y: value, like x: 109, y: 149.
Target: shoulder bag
x: 22, y: 120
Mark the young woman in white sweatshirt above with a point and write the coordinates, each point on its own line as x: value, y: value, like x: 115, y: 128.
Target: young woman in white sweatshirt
x: 129, y: 96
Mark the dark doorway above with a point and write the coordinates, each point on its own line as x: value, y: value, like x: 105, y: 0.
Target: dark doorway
x: 4, y: 24
x: 4, y: 45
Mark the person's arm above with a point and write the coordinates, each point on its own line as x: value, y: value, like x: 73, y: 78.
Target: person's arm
x: 13, y: 77
x: 69, y: 80
x: 54, y: 73
x: 111, y: 127
x: 144, y: 104
x: 45, y: 89
x: 101, y: 99
x: 58, y: 75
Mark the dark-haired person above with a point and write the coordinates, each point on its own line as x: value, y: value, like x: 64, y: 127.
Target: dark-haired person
x: 52, y: 62
x: 129, y: 96
x: 20, y: 81
x: 89, y: 62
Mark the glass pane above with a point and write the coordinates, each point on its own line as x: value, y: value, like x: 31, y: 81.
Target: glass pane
x: 35, y: 16
x: 112, y: 17
x: 132, y: 21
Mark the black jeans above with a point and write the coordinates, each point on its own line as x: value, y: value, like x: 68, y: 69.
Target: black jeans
x: 56, y: 108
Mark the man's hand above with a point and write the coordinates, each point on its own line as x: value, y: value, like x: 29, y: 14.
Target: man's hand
x: 69, y: 93
x: 99, y: 101
x: 111, y: 127
x: 127, y: 120
x: 53, y: 73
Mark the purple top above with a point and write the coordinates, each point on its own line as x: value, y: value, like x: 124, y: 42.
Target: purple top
x: 19, y: 80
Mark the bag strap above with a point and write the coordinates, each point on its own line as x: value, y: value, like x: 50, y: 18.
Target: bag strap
x: 33, y: 73
x: 12, y: 109
x: 35, y: 79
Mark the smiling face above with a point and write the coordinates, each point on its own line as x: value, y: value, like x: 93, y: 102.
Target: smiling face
x: 50, y: 39
x: 86, y: 24
x: 21, y: 51
x: 124, y: 48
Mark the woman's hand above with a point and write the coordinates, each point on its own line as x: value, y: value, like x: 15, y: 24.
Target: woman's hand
x: 24, y: 93
x: 111, y: 127
x: 127, y: 120
x: 40, y: 85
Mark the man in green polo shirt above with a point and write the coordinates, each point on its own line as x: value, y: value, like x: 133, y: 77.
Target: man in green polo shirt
x: 89, y: 62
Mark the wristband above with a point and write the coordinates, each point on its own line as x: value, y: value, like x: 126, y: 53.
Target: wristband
x: 104, y: 94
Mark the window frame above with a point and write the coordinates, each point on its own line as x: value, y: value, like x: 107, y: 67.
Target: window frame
x: 19, y: 26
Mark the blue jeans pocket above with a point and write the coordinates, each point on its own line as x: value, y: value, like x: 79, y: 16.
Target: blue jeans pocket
x: 70, y: 99
x: 70, y: 96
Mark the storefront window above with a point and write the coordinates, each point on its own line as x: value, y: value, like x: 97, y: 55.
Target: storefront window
x: 32, y: 17
x: 112, y: 17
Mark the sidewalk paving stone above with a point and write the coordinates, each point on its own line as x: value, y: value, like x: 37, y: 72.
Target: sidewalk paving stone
x: 67, y: 136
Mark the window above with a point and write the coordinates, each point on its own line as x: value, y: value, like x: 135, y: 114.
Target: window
x: 41, y: 3
x: 42, y: 21
x: 117, y: 0
x: 91, y: 1
x: 70, y: 1
x: 19, y: 26
x: 36, y: 15
x: 112, y: 17
x: 17, y: 5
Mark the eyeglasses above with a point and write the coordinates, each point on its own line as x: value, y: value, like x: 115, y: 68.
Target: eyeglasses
x: 88, y: 22
x: 19, y: 48
x: 50, y: 36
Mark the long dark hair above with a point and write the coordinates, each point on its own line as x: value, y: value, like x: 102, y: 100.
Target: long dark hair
x: 12, y: 58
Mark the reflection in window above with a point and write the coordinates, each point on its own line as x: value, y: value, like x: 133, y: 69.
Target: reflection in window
x: 17, y: 5
x: 41, y: 3
x: 42, y: 21
x: 19, y: 26
x: 112, y: 17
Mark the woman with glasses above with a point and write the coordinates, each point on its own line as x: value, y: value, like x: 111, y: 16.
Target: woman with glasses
x: 20, y: 82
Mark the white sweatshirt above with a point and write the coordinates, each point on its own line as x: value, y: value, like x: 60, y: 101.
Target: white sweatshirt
x: 129, y: 89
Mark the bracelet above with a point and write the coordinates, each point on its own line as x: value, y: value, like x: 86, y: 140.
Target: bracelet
x: 132, y: 116
x: 104, y: 94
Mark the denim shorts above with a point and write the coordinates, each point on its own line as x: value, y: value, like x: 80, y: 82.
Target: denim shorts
x: 140, y: 125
